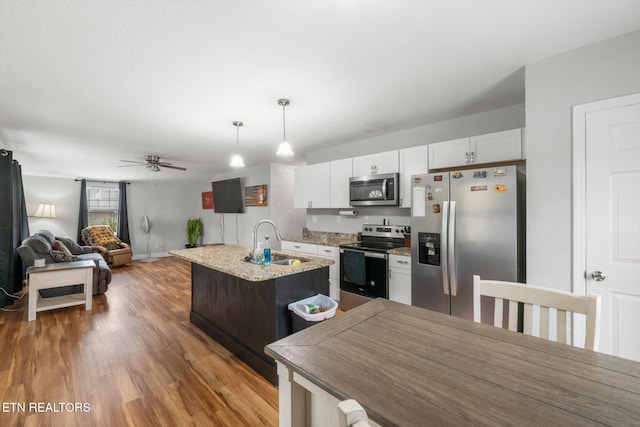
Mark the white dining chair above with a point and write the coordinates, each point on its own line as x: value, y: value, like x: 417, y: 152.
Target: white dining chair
x: 546, y: 299
x: 352, y: 414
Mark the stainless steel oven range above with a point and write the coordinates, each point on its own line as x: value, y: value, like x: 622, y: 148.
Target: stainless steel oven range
x: 364, y: 265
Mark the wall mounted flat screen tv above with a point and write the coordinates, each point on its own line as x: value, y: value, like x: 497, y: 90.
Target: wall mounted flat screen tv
x: 227, y: 196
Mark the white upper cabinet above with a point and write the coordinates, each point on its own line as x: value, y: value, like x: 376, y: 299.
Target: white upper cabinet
x: 312, y: 186
x: 413, y: 161
x: 449, y: 153
x: 341, y: 171
x: 489, y: 148
x: 378, y: 163
x: 497, y: 147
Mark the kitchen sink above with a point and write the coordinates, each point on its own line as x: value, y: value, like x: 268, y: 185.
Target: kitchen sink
x: 281, y: 259
x: 288, y: 261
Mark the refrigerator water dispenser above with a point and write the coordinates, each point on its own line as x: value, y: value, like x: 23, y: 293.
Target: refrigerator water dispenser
x: 429, y: 248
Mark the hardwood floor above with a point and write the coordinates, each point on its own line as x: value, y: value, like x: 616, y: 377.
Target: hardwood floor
x: 134, y: 360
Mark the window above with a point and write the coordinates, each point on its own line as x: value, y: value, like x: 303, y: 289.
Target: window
x: 103, y: 204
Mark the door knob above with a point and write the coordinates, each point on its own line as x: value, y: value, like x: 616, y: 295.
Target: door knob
x: 598, y: 276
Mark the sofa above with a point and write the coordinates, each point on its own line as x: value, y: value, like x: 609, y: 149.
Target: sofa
x: 44, y: 245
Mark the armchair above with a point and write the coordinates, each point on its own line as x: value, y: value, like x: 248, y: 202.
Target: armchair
x: 102, y: 239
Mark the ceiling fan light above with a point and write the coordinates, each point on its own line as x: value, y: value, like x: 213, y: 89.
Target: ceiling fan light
x: 284, y: 149
x: 236, y: 161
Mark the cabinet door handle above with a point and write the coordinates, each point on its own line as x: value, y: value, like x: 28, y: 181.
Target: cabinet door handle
x: 403, y: 262
x: 466, y: 157
x: 296, y: 246
x: 327, y: 251
x: 473, y: 157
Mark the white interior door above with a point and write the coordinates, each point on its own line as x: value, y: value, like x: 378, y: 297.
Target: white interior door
x: 612, y: 219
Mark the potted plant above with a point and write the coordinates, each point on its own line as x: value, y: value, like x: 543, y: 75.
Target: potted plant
x: 194, y: 231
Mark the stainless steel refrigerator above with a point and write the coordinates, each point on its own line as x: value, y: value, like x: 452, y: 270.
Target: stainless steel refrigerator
x: 463, y: 223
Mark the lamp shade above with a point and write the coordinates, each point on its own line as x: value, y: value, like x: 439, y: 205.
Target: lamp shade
x: 236, y: 161
x: 46, y: 210
x: 284, y: 149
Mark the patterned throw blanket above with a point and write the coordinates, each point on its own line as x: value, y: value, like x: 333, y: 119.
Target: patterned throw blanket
x: 100, y: 235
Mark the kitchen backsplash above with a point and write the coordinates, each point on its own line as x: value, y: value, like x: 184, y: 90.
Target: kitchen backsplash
x: 329, y: 220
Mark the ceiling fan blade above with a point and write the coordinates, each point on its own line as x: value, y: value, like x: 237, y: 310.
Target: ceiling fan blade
x: 164, y: 164
x: 133, y: 161
x: 126, y: 166
x: 173, y: 167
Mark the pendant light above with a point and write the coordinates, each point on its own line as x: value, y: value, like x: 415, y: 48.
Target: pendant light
x: 284, y: 149
x: 236, y: 159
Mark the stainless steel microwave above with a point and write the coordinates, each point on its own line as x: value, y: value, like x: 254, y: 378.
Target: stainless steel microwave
x: 374, y: 190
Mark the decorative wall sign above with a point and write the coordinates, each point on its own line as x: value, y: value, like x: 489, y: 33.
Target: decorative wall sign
x: 255, y: 195
x: 207, y: 200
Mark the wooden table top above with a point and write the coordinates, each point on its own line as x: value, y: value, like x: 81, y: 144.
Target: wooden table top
x: 413, y: 367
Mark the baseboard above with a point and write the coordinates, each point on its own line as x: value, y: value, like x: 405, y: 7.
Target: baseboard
x: 153, y: 254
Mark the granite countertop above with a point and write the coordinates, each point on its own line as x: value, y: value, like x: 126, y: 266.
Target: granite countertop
x: 403, y: 251
x: 230, y: 259
x: 325, y: 238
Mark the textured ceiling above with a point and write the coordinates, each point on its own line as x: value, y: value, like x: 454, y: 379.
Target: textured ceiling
x: 84, y: 84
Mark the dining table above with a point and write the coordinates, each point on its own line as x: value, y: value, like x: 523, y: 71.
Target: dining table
x: 408, y: 366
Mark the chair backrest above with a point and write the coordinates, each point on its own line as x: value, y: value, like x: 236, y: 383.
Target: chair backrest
x: 546, y: 299
x: 352, y: 414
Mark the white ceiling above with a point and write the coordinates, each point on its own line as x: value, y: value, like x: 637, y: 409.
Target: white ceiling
x: 84, y: 84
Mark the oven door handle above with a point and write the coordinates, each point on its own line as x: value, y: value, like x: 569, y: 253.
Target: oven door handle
x: 367, y: 254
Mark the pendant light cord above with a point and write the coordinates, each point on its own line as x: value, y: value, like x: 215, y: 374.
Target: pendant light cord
x: 237, y: 125
x: 284, y: 127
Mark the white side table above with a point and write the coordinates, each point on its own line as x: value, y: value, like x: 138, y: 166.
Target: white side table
x: 56, y: 276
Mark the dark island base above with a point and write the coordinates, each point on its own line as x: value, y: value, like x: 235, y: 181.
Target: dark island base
x: 262, y: 364
x: 245, y: 316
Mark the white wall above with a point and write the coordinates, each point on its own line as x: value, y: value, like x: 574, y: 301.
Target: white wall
x: 168, y: 205
x: 477, y: 124
x: 330, y: 220
x: 553, y: 86
x: 289, y: 220
x: 238, y: 228
x: 64, y: 193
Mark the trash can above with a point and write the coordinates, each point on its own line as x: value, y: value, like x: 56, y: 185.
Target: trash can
x: 302, y: 318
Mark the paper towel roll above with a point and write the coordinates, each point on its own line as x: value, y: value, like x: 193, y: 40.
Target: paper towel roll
x: 349, y: 212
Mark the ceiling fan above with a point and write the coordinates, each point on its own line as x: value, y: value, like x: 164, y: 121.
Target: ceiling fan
x: 153, y: 163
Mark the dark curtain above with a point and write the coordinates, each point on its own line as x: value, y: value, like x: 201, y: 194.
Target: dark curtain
x: 123, y: 216
x: 83, y: 215
x: 14, y: 227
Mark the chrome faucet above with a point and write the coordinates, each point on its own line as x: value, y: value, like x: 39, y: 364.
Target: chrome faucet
x: 255, y: 233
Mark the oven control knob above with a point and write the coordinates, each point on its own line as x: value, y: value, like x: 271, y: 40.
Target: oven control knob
x: 372, y: 283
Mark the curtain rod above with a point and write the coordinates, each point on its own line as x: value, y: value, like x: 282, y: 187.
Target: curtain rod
x: 104, y: 182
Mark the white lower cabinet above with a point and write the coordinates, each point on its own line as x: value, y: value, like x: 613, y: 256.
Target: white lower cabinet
x: 332, y: 252
x: 400, y: 279
x: 302, y: 248
x: 321, y: 251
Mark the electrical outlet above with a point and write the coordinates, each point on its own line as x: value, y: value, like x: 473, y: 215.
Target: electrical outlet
x: 338, y: 219
x: 157, y: 245
x: 314, y: 218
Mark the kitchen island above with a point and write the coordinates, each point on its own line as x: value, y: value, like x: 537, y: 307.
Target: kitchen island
x: 242, y: 305
x: 408, y: 366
